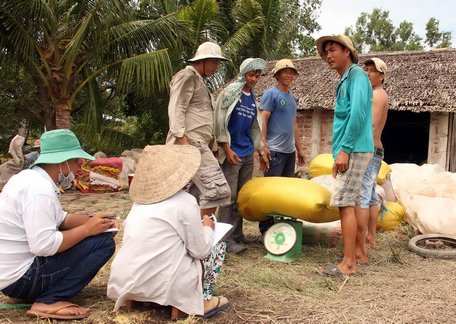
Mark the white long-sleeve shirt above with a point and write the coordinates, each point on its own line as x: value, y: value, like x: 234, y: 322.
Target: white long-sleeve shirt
x: 30, y: 215
x: 160, y: 257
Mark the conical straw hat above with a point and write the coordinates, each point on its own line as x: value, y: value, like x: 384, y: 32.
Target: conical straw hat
x: 162, y: 171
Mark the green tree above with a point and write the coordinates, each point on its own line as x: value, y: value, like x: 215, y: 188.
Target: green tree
x: 287, y: 27
x: 435, y: 37
x: 406, y: 38
x: 17, y: 101
x: 376, y: 32
x: 68, y: 46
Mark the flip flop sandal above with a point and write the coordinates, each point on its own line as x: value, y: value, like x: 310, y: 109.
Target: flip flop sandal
x: 331, y: 271
x: 217, y: 309
x: 53, y: 315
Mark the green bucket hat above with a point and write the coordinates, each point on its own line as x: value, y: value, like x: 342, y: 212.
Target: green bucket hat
x: 58, y: 146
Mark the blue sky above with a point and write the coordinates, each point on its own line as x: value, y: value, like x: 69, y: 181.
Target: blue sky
x: 335, y: 15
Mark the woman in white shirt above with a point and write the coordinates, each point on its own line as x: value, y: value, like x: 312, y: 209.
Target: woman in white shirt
x: 168, y: 255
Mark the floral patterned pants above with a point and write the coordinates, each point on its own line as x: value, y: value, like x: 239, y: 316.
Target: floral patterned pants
x: 212, y: 266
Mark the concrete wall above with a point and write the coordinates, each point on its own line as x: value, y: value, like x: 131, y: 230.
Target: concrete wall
x: 438, y: 139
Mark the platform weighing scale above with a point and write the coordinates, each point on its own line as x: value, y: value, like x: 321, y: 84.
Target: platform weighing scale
x: 283, y: 240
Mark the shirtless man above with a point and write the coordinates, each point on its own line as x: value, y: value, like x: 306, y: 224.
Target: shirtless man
x: 376, y: 71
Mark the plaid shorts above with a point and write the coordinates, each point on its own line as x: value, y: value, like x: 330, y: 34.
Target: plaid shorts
x: 347, y: 190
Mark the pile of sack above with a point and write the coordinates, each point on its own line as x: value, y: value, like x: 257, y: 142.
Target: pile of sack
x: 428, y: 193
x: 392, y: 214
x: 107, y: 174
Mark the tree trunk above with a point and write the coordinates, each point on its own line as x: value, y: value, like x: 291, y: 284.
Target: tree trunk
x: 62, y: 115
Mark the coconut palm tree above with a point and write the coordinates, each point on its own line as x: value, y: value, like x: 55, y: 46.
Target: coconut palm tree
x: 68, y: 46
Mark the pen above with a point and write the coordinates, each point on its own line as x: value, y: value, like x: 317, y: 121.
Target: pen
x: 214, y: 219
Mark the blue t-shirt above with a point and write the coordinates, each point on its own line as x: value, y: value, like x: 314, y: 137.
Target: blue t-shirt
x: 352, y: 128
x: 240, y: 125
x: 280, y: 132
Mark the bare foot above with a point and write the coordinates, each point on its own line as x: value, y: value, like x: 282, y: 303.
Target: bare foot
x: 346, y: 269
x: 370, y: 243
x: 362, y: 259
x: 63, y: 308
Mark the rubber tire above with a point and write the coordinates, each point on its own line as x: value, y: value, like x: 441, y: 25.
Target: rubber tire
x: 428, y: 253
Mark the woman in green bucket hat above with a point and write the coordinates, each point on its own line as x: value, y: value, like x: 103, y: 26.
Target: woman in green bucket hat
x: 39, y: 242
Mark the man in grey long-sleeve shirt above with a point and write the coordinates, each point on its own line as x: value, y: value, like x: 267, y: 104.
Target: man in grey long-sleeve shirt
x: 191, y: 121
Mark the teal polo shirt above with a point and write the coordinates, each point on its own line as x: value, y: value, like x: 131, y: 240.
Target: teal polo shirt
x: 352, y: 127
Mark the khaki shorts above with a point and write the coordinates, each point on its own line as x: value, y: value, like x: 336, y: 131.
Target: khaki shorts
x: 347, y: 191
x: 212, y: 186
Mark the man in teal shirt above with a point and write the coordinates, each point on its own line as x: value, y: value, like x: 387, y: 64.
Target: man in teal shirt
x: 352, y: 147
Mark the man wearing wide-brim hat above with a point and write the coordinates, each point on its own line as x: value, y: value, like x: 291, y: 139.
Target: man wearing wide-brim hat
x: 279, y: 127
x: 191, y: 121
x: 47, y: 256
x: 352, y: 147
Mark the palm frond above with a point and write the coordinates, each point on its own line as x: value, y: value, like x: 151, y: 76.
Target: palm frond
x: 145, y: 73
x: 74, y: 47
x: 242, y: 37
x: 203, y: 16
x: 109, y: 140
x: 132, y: 37
x: 16, y: 38
x: 30, y: 11
x: 93, y: 113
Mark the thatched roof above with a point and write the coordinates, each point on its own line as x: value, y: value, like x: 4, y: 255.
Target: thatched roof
x: 417, y: 81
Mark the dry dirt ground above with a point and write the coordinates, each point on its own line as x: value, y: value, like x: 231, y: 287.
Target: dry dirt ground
x: 397, y: 287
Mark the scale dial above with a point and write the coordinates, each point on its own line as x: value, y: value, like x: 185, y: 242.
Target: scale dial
x: 280, y: 238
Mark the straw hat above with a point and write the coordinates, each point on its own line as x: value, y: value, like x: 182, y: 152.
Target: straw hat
x: 283, y: 64
x: 36, y: 143
x: 341, y: 39
x: 208, y: 50
x: 379, y: 65
x: 162, y: 171
x: 58, y: 146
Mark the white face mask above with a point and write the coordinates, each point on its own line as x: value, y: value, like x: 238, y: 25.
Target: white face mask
x: 65, y: 182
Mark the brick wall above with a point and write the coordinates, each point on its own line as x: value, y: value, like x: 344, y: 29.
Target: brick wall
x: 315, y: 132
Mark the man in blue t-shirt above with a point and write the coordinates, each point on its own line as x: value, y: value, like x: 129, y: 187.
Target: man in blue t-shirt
x: 280, y: 132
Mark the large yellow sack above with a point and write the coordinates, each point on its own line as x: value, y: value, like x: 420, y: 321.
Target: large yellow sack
x: 322, y: 165
x: 294, y: 197
x: 393, y: 216
x: 383, y: 173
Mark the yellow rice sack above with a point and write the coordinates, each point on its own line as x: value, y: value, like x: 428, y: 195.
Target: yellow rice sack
x: 383, y: 173
x: 393, y: 216
x: 322, y: 165
x: 294, y: 197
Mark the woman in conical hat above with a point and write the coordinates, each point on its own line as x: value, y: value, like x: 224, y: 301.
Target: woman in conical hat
x: 166, y: 246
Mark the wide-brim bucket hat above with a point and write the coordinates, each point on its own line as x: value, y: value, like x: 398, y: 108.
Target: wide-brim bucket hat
x: 208, y: 50
x: 341, y: 39
x: 162, y: 171
x: 58, y: 146
x: 284, y: 64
